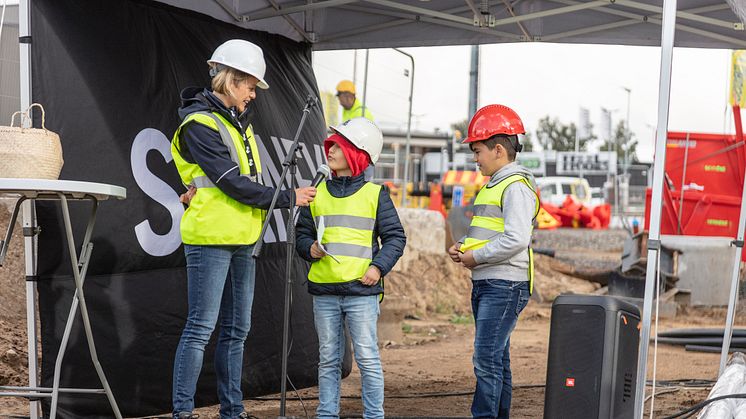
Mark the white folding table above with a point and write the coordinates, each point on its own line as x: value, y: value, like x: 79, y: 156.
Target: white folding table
x: 27, y: 191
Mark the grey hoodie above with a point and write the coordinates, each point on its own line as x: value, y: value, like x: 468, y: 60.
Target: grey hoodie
x: 506, y: 256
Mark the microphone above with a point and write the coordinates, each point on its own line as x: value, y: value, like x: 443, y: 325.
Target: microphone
x: 321, y: 174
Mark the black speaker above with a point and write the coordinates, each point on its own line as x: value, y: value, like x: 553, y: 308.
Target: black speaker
x: 592, y: 367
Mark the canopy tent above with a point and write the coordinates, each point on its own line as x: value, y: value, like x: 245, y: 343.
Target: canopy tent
x: 345, y: 24
x: 348, y: 24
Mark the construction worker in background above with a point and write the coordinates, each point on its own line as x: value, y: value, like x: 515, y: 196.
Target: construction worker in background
x: 496, y: 249
x: 351, y: 106
x: 216, y: 155
x: 339, y: 234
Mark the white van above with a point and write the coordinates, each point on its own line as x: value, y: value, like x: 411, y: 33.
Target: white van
x: 554, y: 189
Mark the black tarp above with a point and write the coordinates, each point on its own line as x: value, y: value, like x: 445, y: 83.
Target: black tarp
x: 109, y: 76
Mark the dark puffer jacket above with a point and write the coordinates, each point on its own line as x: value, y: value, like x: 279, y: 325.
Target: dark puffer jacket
x: 202, y: 145
x: 387, y: 228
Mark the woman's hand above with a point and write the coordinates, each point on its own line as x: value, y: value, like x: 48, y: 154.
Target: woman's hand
x: 304, y: 196
x: 316, y: 252
x: 187, y: 196
x: 371, y: 277
x: 454, y: 253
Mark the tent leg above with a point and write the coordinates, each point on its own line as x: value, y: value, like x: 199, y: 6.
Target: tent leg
x: 733, y: 297
x: 664, y: 96
x: 29, y: 216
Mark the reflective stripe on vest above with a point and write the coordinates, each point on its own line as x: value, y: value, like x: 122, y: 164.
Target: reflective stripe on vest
x: 488, y: 222
x: 214, y: 218
x: 348, y: 224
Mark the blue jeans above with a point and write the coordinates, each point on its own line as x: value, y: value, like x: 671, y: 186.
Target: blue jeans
x: 496, y: 304
x: 361, y: 312
x: 221, y: 285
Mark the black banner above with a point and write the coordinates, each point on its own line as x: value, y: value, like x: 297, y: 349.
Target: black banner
x: 109, y: 76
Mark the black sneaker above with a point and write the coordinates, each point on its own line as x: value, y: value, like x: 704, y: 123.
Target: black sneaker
x: 188, y: 415
x: 245, y: 415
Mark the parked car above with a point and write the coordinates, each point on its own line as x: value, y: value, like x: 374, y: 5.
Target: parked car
x: 597, y: 197
x: 554, y: 189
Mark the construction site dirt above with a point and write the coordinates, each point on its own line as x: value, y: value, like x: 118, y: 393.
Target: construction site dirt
x: 427, y: 364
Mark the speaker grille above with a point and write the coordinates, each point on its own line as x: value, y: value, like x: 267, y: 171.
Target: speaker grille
x: 576, y: 349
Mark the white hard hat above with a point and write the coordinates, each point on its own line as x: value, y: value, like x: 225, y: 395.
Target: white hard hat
x: 363, y: 134
x: 241, y: 55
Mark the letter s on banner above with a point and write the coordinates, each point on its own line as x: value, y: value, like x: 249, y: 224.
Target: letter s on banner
x: 152, y: 243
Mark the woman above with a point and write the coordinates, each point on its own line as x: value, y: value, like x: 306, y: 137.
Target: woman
x: 217, y: 157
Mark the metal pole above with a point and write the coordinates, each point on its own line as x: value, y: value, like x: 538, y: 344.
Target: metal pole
x: 29, y: 213
x: 354, y: 68
x: 627, y: 135
x: 664, y: 96
x: 409, y: 131
x: 733, y: 298
x: 474, y: 80
x: 365, y: 80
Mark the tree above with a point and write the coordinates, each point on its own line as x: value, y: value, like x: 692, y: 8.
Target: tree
x: 553, y: 134
x: 619, y: 139
x: 528, y: 144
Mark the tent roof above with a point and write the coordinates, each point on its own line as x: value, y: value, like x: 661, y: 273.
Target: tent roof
x: 347, y: 24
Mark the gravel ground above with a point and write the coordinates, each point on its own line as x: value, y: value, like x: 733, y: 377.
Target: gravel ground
x: 587, y: 250
x: 611, y: 240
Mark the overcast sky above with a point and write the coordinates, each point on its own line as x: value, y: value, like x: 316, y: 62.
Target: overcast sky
x: 538, y: 79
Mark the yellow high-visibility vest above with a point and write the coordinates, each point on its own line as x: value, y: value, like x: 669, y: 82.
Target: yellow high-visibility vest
x: 488, y: 222
x: 348, y: 224
x: 214, y: 218
x: 356, y: 111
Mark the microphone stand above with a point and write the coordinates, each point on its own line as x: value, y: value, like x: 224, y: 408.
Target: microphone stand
x: 289, y: 166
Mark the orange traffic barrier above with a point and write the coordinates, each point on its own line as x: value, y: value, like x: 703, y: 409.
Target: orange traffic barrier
x: 575, y: 215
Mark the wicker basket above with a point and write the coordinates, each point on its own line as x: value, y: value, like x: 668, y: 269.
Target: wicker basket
x: 29, y: 152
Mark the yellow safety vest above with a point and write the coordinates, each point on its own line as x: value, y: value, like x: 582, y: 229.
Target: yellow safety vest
x: 214, y: 218
x: 356, y: 111
x: 348, y: 233
x: 488, y: 222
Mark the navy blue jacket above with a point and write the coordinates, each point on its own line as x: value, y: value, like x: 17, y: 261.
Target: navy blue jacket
x: 202, y: 145
x: 387, y: 227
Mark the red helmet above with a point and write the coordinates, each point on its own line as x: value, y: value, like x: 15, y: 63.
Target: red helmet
x: 492, y: 120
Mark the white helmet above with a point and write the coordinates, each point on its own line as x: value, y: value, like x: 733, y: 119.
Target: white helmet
x: 363, y: 134
x: 241, y: 55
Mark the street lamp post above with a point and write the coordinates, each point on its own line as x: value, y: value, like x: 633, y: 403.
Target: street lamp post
x: 626, y: 151
x: 409, y: 131
x: 627, y: 133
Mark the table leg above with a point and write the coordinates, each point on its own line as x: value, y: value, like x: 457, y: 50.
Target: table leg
x: 30, y: 252
x: 4, y: 244
x: 79, y: 298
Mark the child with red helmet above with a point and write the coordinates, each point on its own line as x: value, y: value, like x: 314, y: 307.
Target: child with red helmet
x: 497, y: 250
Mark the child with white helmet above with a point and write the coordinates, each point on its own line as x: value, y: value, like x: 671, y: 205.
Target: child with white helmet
x: 339, y: 234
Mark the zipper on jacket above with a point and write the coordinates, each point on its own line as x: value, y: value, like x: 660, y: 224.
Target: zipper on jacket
x: 249, y: 154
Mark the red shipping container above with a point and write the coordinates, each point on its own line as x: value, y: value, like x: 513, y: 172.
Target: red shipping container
x: 701, y: 214
x: 715, y: 162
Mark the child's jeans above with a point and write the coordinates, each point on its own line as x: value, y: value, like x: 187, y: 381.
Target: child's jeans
x: 496, y: 304
x: 361, y: 313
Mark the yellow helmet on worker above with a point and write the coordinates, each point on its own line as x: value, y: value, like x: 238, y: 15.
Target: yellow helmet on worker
x: 345, y: 86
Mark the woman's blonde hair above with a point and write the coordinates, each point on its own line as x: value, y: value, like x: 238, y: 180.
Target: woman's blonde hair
x: 226, y: 79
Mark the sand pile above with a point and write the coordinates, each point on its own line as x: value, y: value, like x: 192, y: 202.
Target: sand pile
x: 432, y: 283
x: 13, y: 346
x: 425, y: 274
